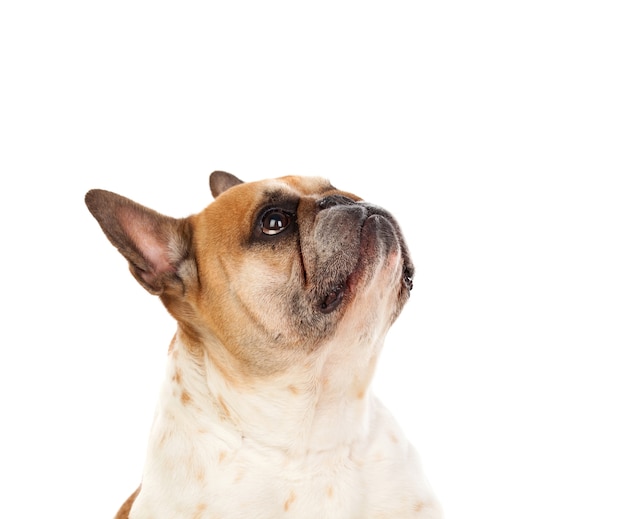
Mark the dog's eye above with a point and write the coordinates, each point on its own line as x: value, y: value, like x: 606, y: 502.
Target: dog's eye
x: 275, y: 221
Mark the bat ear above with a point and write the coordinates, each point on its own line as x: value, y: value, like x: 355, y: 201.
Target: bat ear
x: 220, y: 181
x: 155, y: 245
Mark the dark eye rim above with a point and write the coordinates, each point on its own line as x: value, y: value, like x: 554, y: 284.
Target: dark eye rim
x: 288, y: 217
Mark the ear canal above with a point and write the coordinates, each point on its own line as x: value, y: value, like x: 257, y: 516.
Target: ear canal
x: 154, y: 245
x: 220, y: 181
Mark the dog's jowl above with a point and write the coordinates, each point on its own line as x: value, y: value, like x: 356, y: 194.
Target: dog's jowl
x: 283, y: 291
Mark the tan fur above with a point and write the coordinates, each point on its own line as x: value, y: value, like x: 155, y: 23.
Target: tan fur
x: 125, y: 508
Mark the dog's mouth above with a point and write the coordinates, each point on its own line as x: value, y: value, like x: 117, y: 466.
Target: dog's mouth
x: 379, y: 235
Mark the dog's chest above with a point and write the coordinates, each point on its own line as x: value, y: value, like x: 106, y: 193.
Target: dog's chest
x: 200, y: 466
x: 319, y: 488
x: 207, y: 480
x: 250, y: 483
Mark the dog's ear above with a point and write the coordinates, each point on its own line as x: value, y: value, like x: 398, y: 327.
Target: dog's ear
x: 154, y: 245
x: 220, y: 181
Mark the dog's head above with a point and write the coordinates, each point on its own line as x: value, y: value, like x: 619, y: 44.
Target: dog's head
x: 270, y: 270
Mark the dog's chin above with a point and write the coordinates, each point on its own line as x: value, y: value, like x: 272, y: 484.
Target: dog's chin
x: 378, y: 240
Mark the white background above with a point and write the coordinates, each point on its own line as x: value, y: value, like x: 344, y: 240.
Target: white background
x: 495, y: 131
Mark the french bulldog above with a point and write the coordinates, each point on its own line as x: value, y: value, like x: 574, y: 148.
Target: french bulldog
x: 283, y: 291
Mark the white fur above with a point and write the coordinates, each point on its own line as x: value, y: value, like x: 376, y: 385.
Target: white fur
x: 352, y: 464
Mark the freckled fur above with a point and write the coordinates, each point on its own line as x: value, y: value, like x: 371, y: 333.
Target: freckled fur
x: 266, y: 409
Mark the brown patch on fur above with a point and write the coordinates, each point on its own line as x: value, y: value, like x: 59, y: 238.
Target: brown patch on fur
x: 177, y: 376
x: 330, y: 491
x: 221, y: 457
x: 290, y: 500
x: 393, y: 438
x: 219, y: 358
x: 418, y: 507
x: 293, y: 389
x: 223, y: 406
x: 165, y: 437
x: 185, y: 398
x: 199, y: 510
x: 361, y: 382
x: 125, y: 509
x: 240, y: 474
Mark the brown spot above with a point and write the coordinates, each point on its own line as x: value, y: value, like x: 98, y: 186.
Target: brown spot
x: 165, y: 437
x: 290, y: 500
x: 293, y: 389
x: 361, y: 382
x: 393, y: 438
x: 417, y: 507
x: 221, y: 457
x: 199, y: 510
x: 185, y: 398
x: 330, y: 491
x: 223, y: 406
x: 176, y: 377
x: 170, y: 349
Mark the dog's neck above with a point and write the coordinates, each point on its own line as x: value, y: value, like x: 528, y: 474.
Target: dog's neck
x: 322, y: 405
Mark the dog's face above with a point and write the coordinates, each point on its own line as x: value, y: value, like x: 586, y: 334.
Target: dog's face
x: 270, y: 270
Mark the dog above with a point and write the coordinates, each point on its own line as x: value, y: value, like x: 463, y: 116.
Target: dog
x: 283, y: 291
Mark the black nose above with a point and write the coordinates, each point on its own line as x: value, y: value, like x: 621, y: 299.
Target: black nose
x: 332, y: 200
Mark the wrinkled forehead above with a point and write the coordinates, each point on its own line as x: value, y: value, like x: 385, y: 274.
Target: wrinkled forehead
x: 258, y: 191
x: 301, y: 187
x: 297, y: 186
x: 250, y: 195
